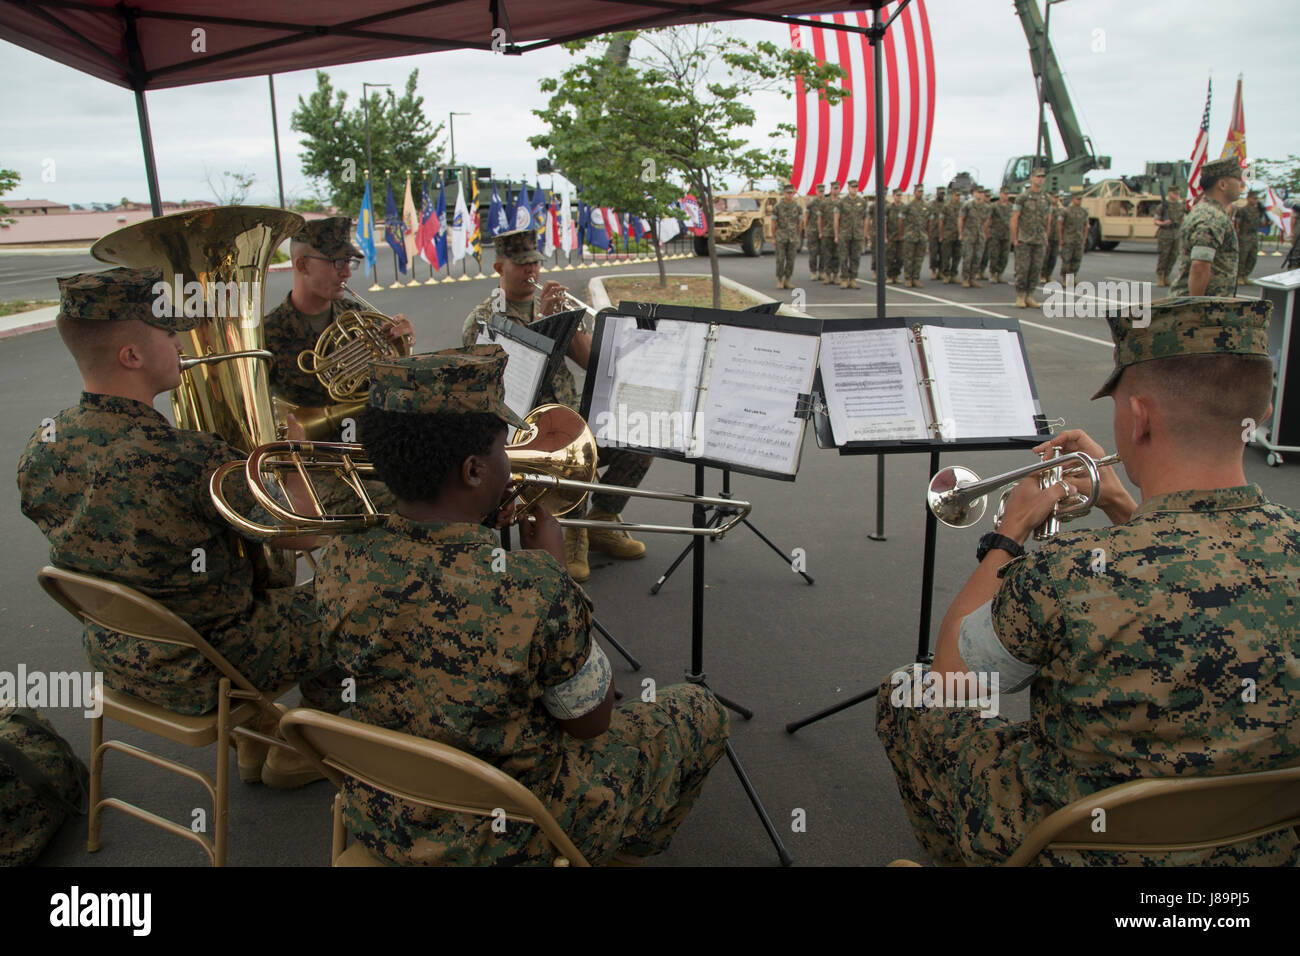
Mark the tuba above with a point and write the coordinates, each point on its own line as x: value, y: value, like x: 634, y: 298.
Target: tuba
x: 214, y: 263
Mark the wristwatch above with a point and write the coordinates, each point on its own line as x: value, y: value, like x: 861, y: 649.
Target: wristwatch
x: 1000, y: 541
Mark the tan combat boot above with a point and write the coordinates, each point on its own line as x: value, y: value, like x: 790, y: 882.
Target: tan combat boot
x: 853, y: 284
x: 615, y: 543
x: 1161, y: 281
x: 844, y: 283
x: 286, y: 769
x: 1020, y: 300
x: 575, y: 554
x: 1030, y: 301
x: 975, y: 285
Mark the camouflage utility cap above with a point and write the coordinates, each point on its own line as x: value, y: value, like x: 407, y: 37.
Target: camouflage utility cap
x: 1222, y: 167
x: 788, y: 187
x: 330, y: 237
x: 1189, y: 325
x: 118, y: 295
x: 452, y: 382
x: 519, y: 246
x: 1038, y: 171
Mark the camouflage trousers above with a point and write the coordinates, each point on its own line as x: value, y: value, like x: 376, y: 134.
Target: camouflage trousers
x: 950, y: 257
x: 1071, y: 257
x: 913, y: 253
x: 850, y: 257
x: 893, y: 258
x: 785, y: 253
x: 1029, y: 258
x: 959, y: 776
x: 627, y: 789
x: 1166, y: 251
x: 971, y: 250
x: 1247, y: 253
x: 622, y: 467
x: 1049, y: 258
x: 936, y: 255
x: 997, y: 248
x: 275, y: 644
x: 830, y: 257
x: 814, y: 255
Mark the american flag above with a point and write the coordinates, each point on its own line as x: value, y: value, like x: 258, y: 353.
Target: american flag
x: 1198, y: 150
x: 839, y: 142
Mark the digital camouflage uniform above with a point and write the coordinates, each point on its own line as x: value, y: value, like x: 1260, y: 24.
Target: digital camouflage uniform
x: 622, y: 467
x: 1207, y: 235
x: 999, y: 238
x: 974, y: 220
x: 935, y: 207
x: 950, y: 246
x: 123, y: 495
x: 1031, y: 237
x: 1053, y: 247
x: 893, y: 248
x: 1167, y: 238
x: 915, y: 219
x: 813, y: 233
x: 1074, y: 229
x: 1247, y: 220
x: 830, y: 248
x: 1137, y: 667
x: 851, y: 217
x: 785, y: 231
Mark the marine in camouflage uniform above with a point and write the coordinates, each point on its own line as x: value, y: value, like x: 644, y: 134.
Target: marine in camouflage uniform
x: 1137, y: 667
x: 973, y: 227
x: 787, y: 219
x: 1074, y: 230
x: 830, y: 247
x: 812, y: 230
x: 850, y: 227
x: 1207, y: 233
x: 893, y: 247
x: 999, y: 235
x: 448, y: 643
x: 1167, y: 235
x: 915, y: 235
x: 1053, y: 247
x: 950, y: 241
x: 1247, y: 220
x: 122, y: 495
x: 935, y: 207
x: 1029, y: 219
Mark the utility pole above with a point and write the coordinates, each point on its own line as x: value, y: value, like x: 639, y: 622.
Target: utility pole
x: 451, y: 124
x: 365, y: 102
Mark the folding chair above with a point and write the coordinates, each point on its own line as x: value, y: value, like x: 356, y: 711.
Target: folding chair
x: 122, y: 609
x: 1170, y: 814
x: 418, y: 771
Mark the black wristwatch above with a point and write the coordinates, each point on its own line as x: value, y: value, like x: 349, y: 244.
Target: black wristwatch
x: 1000, y: 541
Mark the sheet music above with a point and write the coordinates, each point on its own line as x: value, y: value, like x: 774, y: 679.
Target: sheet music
x: 523, y: 374
x: 871, y: 389
x: 982, y: 383
x: 653, y: 377
x: 748, y: 409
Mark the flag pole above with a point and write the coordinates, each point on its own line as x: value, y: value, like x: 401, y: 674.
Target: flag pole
x: 374, y: 280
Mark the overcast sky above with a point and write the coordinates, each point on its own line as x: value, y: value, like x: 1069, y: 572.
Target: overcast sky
x: 1136, y: 71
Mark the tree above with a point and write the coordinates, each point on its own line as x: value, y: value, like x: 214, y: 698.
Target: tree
x: 681, y: 104
x: 232, y: 189
x: 1281, y: 174
x: 9, y: 178
x: 334, y: 148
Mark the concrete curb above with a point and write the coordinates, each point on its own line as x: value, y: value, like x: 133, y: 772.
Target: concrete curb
x: 32, y: 321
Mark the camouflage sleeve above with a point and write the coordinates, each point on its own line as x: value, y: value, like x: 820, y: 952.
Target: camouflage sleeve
x: 1026, y: 613
x: 469, y: 331
x: 1206, y: 236
x: 234, y: 488
x: 563, y: 643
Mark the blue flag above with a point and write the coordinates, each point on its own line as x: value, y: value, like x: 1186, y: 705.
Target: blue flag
x: 596, y: 234
x: 496, y: 214
x: 440, y: 240
x: 523, y: 209
x: 366, y: 229
x: 538, y: 212
x: 509, y: 209
x: 395, y: 229
x: 584, y: 216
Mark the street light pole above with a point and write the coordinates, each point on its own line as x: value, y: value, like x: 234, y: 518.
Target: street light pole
x: 365, y: 102
x: 451, y: 123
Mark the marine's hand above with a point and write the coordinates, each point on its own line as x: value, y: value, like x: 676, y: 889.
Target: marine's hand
x: 1112, y: 498
x: 543, y: 533
x: 552, y: 298
x: 401, y: 333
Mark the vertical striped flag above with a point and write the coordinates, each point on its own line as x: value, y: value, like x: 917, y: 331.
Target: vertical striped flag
x: 1235, y: 144
x: 429, y: 226
x: 839, y: 142
x: 1198, y: 148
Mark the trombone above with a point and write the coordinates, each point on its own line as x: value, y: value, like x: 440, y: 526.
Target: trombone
x: 553, y: 465
x: 958, y: 497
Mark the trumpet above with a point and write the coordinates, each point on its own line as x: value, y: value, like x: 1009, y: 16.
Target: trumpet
x: 554, y: 465
x: 347, y: 348
x: 573, y: 302
x: 958, y: 497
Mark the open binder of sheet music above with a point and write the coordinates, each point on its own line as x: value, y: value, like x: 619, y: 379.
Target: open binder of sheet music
x: 723, y: 393
x: 525, y: 368
x: 926, y: 382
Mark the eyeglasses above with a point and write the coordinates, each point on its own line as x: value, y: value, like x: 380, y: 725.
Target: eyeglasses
x: 350, y: 262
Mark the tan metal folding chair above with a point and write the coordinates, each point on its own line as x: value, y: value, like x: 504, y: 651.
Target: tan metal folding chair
x: 1170, y: 814
x: 418, y: 771
x: 122, y: 609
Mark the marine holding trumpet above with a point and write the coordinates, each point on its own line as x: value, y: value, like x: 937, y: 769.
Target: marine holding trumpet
x: 1165, y: 645
x: 450, y: 638
x: 519, y: 263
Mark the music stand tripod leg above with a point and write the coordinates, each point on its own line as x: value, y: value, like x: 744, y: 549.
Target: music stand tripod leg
x: 635, y: 664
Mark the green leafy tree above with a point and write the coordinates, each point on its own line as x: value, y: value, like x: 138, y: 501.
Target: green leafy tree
x: 334, y: 145
x: 1280, y: 173
x: 682, y: 104
x: 9, y: 178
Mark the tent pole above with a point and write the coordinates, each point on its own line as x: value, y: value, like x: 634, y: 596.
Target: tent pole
x: 146, y: 143
x: 275, y: 133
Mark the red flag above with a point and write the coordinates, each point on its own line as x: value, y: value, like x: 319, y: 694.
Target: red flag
x: 839, y: 142
x: 1235, y: 144
x: 428, y: 230
x: 1198, y: 149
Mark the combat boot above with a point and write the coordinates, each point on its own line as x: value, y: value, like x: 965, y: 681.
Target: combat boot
x: 1161, y: 280
x: 965, y: 283
x: 975, y: 285
x: 844, y: 283
x: 853, y: 284
x: 934, y: 273
x: 831, y: 280
x: 615, y: 543
x: 1020, y: 300
x: 1030, y: 301
x: 575, y: 554
x: 780, y: 283
x: 286, y: 769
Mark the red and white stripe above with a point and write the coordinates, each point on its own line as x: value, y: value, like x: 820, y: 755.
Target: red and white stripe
x: 1199, y: 148
x: 838, y: 142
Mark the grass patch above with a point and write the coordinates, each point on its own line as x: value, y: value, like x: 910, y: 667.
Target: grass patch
x: 694, y: 291
x: 19, y: 305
